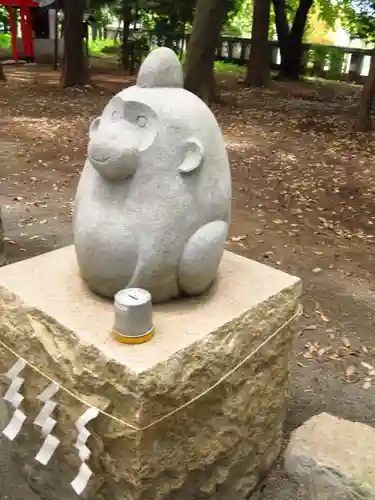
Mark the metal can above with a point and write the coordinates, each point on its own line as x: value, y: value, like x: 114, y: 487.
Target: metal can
x: 133, y: 316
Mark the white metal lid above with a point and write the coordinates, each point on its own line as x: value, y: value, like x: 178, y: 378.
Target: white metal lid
x: 132, y: 297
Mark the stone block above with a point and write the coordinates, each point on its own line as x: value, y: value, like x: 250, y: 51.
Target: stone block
x: 2, y: 244
x: 220, y: 446
x: 333, y: 459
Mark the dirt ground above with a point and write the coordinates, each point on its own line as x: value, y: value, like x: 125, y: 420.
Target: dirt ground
x: 303, y: 202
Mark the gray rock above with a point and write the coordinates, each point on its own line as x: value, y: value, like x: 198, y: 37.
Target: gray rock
x: 333, y: 459
x: 153, y: 202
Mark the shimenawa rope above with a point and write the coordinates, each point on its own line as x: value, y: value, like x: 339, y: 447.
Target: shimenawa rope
x: 173, y: 412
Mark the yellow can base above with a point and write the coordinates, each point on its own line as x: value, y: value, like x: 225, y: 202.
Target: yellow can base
x: 133, y: 340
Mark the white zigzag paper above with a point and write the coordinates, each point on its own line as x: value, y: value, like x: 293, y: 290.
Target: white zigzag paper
x: 14, y: 397
x: 80, y: 482
x: 83, y: 477
x: 47, y: 423
x: 13, y: 428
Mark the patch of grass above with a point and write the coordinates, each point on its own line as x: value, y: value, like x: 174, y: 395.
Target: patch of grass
x: 230, y: 68
x: 107, y: 48
x: 97, y: 47
x: 330, y: 82
x: 5, y: 42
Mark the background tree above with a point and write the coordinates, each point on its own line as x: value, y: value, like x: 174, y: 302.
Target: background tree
x: 258, y: 73
x: 359, y: 19
x: 126, y: 17
x: 204, y: 40
x: 292, y: 25
x: 74, y: 68
x: 363, y: 121
x: 290, y: 39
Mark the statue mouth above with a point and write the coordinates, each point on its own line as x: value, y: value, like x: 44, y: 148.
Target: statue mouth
x: 101, y: 161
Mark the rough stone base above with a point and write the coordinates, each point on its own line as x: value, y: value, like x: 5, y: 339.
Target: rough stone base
x: 333, y: 459
x: 219, y: 447
x: 2, y: 245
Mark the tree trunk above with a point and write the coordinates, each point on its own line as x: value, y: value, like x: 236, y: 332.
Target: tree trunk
x: 126, y: 18
x: 203, y: 43
x: 363, y: 122
x: 291, y: 59
x: 74, y: 68
x: 258, y: 71
x: 281, y: 22
x: 2, y: 74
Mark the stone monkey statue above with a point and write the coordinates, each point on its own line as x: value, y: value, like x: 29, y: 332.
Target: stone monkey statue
x: 153, y: 202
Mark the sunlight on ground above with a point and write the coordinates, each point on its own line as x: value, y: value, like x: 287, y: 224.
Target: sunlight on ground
x: 37, y: 128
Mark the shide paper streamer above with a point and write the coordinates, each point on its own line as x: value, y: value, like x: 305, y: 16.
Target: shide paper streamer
x: 80, y: 482
x: 14, y: 397
x: 47, y: 423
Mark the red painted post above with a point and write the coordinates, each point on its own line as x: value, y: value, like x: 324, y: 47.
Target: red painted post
x: 23, y: 32
x: 29, y: 33
x: 26, y: 26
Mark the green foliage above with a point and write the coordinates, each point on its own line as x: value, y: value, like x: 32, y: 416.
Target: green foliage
x: 140, y: 47
x: 327, y: 10
x: 167, y: 17
x: 318, y: 56
x: 229, y: 68
x: 322, y: 57
x: 98, y: 47
x: 337, y: 61
x: 240, y: 19
x: 3, y: 15
x: 360, y: 19
x: 5, y: 42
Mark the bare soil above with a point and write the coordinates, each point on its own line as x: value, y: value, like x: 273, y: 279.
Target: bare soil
x: 303, y: 202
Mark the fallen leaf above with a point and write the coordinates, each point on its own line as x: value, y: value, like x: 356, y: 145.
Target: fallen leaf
x: 350, y: 371
x: 238, y: 238
x: 307, y: 355
x: 367, y: 365
x: 345, y: 342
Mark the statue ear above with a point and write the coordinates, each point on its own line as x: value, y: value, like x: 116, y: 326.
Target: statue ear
x: 193, y: 156
x: 94, y: 125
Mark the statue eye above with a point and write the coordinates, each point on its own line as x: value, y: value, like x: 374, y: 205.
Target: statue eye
x: 141, y: 121
x: 116, y: 114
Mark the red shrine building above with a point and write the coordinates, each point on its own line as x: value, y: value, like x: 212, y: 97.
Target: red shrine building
x: 32, y: 15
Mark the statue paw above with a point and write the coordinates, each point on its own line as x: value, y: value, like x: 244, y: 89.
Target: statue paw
x: 201, y: 258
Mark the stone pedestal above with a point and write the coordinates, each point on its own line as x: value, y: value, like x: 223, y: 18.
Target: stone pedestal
x: 2, y: 245
x: 218, y: 447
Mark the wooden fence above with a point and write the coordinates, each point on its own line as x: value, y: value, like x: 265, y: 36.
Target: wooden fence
x: 324, y: 61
